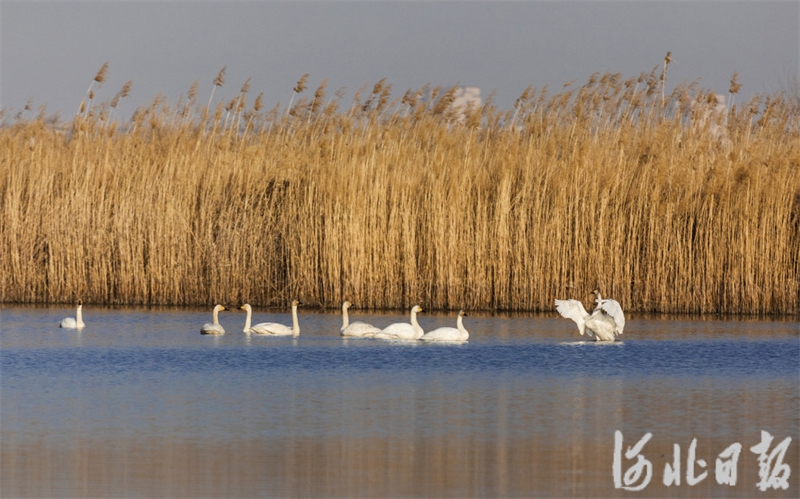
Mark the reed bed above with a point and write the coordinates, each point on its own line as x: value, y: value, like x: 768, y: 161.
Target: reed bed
x: 667, y: 203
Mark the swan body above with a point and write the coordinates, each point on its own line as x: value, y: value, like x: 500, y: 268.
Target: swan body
x: 403, y: 330
x: 458, y: 333
x: 356, y: 329
x: 74, y: 322
x: 275, y: 329
x: 215, y: 327
x: 262, y: 328
x: 605, y: 323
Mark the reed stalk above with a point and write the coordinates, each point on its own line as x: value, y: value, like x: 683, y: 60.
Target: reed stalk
x: 388, y: 204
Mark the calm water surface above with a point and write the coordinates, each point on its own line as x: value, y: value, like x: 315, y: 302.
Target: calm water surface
x: 139, y: 404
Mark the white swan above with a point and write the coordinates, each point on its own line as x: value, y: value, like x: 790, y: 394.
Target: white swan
x: 458, y: 333
x: 77, y: 321
x: 605, y: 322
x: 216, y: 327
x: 356, y: 329
x: 403, y: 330
x: 258, y: 328
x: 275, y: 329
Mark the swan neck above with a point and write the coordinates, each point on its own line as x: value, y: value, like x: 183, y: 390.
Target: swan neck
x: 345, y: 318
x: 460, y: 324
x: 216, y: 316
x: 585, y: 314
x: 247, y: 321
x: 295, y: 324
x: 79, y: 315
x: 414, y: 318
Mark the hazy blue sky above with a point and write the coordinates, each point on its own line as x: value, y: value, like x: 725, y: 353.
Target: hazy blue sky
x: 50, y: 51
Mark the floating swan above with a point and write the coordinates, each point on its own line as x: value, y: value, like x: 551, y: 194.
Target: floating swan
x: 216, y: 327
x: 275, y: 329
x: 458, y: 333
x: 77, y: 321
x: 258, y: 328
x: 356, y: 329
x: 403, y: 330
x: 605, y: 323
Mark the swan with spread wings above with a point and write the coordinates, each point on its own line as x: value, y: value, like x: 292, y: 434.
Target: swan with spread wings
x: 605, y: 323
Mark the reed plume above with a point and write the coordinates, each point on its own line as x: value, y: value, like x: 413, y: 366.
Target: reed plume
x: 301, y: 85
x: 126, y: 89
x: 663, y: 78
x: 100, y: 78
x: 218, y: 82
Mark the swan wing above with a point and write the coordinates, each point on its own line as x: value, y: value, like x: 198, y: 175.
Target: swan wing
x: 360, y: 329
x: 398, y: 331
x: 209, y: 328
x: 444, y: 334
x: 573, y: 309
x: 272, y: 329
x: 614, y: 310
x: 69, y: 322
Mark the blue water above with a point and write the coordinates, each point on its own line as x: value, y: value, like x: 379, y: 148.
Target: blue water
x: 521, y: 384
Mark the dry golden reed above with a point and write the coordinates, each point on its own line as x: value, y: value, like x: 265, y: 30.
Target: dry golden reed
x: 665, y: 203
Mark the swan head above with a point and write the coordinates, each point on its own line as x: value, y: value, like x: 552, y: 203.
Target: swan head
x: 417, y: 309
x: 80, y: 303
x: 296, y: 303
x: 461, y: 313
x: 347, y: 304
x: 246, y: 307
x: 596, y: 291
x: 219, y: 308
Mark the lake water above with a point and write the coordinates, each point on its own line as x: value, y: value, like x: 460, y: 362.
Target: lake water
x: 140, y: 404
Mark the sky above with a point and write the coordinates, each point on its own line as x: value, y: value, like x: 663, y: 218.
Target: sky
x: 51, y: 51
